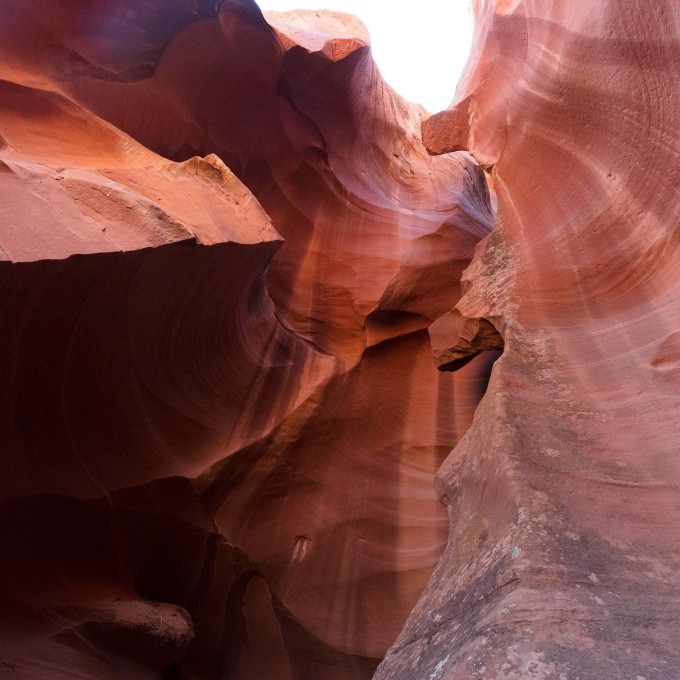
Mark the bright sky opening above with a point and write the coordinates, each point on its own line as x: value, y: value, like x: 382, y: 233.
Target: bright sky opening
x: 420, y: 47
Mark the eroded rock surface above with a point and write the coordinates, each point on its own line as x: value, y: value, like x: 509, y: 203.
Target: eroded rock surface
x: 218, y: 446
x: 563, y: 556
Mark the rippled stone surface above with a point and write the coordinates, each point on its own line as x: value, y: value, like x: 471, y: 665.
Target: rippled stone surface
x: 222, y: 244
x: 563, y: 555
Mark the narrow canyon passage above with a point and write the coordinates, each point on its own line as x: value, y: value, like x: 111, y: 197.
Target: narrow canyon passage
x: 225, y: 243
x: 251, y: 298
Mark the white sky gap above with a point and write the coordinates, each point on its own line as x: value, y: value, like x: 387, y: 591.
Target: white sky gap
x: 420, y: 47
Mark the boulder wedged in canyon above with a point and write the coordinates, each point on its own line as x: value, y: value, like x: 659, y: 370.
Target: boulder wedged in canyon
x: 218, y: 444
x: 564, y: 550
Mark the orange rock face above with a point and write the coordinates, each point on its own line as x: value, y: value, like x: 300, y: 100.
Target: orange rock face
x: 229, y: 252
x: 223, y: 242
x: 563, y: 556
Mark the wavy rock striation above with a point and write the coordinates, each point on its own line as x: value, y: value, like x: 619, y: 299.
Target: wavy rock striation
x: 218, y: 443
x: 562, y: 560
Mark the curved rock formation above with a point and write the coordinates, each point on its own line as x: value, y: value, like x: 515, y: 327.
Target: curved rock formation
x: 563, y: 557
x: 218, y: 447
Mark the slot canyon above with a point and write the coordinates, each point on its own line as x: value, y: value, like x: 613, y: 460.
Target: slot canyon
x: 302, y: 382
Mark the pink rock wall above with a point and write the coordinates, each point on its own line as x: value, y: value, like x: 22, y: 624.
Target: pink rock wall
x: 562, y: 560
x: 229, y: 252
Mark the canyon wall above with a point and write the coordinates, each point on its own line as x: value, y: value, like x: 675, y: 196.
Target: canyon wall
x: 563, y: 555
x: 232, y: 260
x: 222, y: 244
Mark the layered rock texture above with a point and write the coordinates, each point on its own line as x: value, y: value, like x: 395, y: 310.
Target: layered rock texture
x: 563, y: 559
x: 223, y: 242
x: 230, y: 253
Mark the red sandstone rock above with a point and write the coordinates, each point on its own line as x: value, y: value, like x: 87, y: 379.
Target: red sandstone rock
x: 563, y: 553
x: 333, y: 155
x: 201, y: 423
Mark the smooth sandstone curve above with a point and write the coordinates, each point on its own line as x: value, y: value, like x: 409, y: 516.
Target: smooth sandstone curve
x: 562, y: 560
x: 220, y: 446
